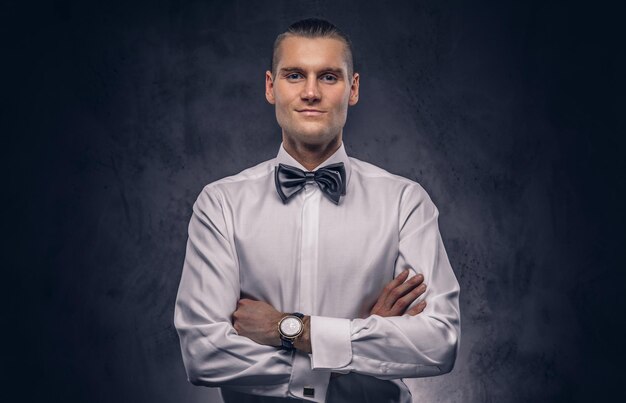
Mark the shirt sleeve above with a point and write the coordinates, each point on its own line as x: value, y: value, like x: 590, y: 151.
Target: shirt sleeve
x: 213, y: 353
x: 401, y: 346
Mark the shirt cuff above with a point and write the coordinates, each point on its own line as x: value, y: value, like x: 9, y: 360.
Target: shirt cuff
x: 331, y: 342
x: 305, y: 383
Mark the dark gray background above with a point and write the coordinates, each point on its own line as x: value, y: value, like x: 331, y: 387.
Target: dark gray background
x: 508, y: 113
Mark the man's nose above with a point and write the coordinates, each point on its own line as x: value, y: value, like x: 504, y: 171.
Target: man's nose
x: 311, y: 92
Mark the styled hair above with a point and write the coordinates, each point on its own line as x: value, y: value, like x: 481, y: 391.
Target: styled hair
x: 314, y: 28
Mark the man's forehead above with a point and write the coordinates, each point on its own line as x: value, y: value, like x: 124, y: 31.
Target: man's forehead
x: 302, y: 52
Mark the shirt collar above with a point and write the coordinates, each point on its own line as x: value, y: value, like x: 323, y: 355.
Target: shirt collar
x: 340, y: 155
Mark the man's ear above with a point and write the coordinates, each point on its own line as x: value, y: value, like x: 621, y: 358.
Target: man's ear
x: 354, y: 90
x: 269, y: 87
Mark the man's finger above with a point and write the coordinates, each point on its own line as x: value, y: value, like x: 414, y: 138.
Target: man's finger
x: 401, y: 290
x: 402, y: 303
x: 400, y: 278
x: 393, y: 291
x: 389, y: 287
x: 417, y: 309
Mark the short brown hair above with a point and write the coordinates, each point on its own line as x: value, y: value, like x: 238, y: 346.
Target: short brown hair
x: 313, y: 28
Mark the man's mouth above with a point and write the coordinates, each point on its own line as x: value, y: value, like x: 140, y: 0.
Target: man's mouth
x: 311, y: 112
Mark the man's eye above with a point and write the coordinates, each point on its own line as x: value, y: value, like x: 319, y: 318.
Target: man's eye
x: 329, y: 77
x: 294, y: 76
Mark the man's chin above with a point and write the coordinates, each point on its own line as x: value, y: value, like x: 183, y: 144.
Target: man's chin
x: 313, y: 137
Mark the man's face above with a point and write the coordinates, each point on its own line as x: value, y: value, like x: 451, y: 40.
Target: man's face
x: 311, y: 89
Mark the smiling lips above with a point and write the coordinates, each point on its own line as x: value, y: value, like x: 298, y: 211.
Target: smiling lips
x: 311, y: 112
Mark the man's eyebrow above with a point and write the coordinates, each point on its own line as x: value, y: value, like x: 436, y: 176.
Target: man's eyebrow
x: 288, y: 69
x: 336, y: 70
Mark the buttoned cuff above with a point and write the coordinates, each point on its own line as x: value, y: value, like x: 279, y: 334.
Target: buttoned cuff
x: 330, y: 342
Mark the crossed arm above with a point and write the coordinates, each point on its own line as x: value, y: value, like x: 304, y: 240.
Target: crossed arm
x: 230, y: 342
x: 257, y: 320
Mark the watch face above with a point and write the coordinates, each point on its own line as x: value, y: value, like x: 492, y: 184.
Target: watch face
x: 290, y: 326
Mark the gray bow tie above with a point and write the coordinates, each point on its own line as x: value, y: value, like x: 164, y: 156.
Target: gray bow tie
x: 291, y: 180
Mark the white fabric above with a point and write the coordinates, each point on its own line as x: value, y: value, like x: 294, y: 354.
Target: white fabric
x: 324, y: 260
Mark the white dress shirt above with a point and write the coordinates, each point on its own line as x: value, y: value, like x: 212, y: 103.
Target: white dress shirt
x: 324, y: 260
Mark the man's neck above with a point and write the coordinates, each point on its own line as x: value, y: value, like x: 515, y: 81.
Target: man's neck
x: 310, y: 155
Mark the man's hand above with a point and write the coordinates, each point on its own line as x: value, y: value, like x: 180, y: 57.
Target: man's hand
x: 398, y: 294
x: 258, y: 321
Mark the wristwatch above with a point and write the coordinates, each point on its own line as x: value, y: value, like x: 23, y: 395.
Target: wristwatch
x: 289, y: 328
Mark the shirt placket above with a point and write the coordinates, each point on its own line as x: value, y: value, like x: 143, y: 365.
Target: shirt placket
x: 306, y: 383
x: 309, y: 248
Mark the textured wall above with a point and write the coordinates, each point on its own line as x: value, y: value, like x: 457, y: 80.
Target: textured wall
x: 506, y: 112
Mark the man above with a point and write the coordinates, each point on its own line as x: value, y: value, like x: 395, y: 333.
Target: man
x: 305, y: 275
